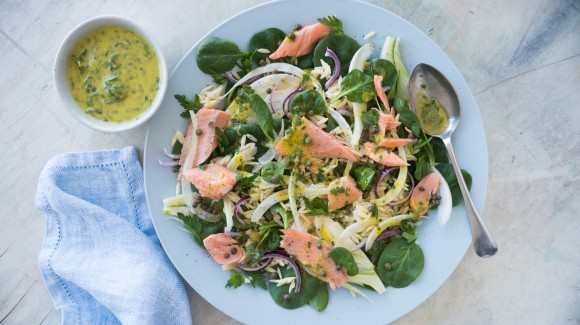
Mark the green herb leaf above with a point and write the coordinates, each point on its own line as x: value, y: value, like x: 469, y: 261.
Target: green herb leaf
x: 400, y: 264
x: 343, y: 256
x: 263, y: 114
x: 357, y: 87
x: 370, y: 118
x: 245, y: 183
x: 334, y: 23
x: 257, y: 279
x: 273, y: 172
x: 448, y: 173
x: 409, y: 231
x: 306, y: 101
x: 217, y: 55
x: 236, y: 279
x: 200, y: 229
x: 317, y: 206
x: 237, y: 130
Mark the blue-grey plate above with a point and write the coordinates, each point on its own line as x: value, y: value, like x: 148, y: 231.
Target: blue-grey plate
x: 444, y: 247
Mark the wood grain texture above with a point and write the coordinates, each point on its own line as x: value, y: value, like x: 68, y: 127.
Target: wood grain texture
x: 522, y: 62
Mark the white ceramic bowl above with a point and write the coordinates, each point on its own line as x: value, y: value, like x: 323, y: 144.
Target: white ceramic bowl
x: 62, y: 87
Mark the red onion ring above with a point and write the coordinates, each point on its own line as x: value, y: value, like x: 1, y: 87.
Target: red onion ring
x: 330, y: 53
x: 389, y: 233
x: 286, y: 103
x: 359, y: 246
x: 237, y: 207
x: 382, y: 175
x: 258, y: 268
x: 168, y: 163
x: 408, y: 195
x: 169, y: 155
x: 292, y: 264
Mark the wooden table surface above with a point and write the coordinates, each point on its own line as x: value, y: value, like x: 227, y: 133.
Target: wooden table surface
x: 521, y: 59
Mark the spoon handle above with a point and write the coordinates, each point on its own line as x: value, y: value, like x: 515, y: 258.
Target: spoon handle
x: 483, y: 243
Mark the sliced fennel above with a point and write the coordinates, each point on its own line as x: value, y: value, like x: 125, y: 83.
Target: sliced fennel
x: 403, y: 79
x: 358, y: 62
x: 185, y: 185
x: 399, y: 183
x: 268, y: 203
x: 444, y: 209
x: 229, y: 213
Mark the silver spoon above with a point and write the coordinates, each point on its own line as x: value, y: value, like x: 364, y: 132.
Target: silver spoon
x: 428, y: 81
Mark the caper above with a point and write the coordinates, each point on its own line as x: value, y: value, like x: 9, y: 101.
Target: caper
x: 195, y: 204
x: 297, y: 27
x: 211, y: 124
x: 319, y: 244
x: 234, y: 251
x: 374, y: 129
x: 308, y: 163
x: 286, y: 297
x: 262, y: 63
x: 227, y: 255
x: 310, y: 113
x: 307, y: 140
x: 387, y: 266
x: 268, y: 90
x: 198, y: 132
x: 338, y: 267
x: 274, y: 179
x: 291, y: 36
x: 421, y: 188
x: 322, y: 273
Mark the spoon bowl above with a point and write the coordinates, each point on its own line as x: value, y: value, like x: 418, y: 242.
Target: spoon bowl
x: 427, y: 81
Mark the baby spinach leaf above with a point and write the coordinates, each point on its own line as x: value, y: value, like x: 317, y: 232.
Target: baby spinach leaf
x: 293, y: 299
x: 385, y: 69
x: 263, y: 114
x: 408, y: 119
x: 331, y: 124
x: 439, y: 150
x: 317, y: 206
x: 344, y: 47
x: 273, y: 172
x: 357, y: 87
x: 364, y: 176
x: 269, y: 39
x: 320, y: 300
x: 343, y: 256
x: 448, y: 173
x: 421, y: 168
x: 306, y: 61
x: 306, y: 101
x: 216, y: 55
x: 401, y: 263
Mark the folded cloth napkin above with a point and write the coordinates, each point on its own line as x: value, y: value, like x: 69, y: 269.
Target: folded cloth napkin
x: 101, y: 259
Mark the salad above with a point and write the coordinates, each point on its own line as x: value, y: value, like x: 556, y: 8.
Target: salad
x: 303, y: 169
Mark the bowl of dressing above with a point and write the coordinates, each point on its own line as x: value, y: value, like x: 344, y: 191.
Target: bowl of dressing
x: 110, y: 74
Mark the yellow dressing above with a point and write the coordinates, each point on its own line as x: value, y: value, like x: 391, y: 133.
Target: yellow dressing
x: 432, y: 116
x: 113, y: 74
